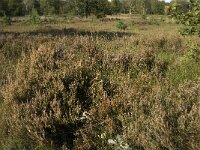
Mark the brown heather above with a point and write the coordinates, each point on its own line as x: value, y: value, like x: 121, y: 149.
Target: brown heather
x: 78, y: 91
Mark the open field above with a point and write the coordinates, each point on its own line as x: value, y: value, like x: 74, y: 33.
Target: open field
x: 85, y: 84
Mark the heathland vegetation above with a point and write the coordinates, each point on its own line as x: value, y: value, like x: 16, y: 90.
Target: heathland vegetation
x: 106, y: 80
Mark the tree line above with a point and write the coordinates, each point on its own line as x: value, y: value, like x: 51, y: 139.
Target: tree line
x: 85, y: 8
x: 80, y: 7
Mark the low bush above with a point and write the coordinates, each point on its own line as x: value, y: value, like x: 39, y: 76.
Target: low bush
x: 154, y: 21
x: 100, y: 15
x: 187, y: 31
x: 35, y: 18
x: 121, y: 25
x: 184, y: 129
x: 193, y: 54
x: 144, y: 15
x: 50, y: 20
x: 163, y: 121
x: 6, y: 20
x: 57, y: 95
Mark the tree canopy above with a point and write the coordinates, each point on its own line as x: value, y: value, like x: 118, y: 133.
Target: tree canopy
x: 85, y: 8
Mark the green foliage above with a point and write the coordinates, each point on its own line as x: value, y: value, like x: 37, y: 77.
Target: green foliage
x: 190, y: 30
x: 6, y: 20
x: 100, y: 15
x: 11, y: 7
x: 50, y: 20
x: 80, y: 7
x: 84, y: 8
x: 154, y: 21
x: 115, y: 6
x: 101, y: 8
x: 49, y: 7
x: 182, y: 72
x: 132, y: 23
x: 187, y: 66
x: 157, y: 7
x: 98, y: 8
x: 144, y: 15
x: 1, y: 99
x: 121, y: 25
x: 190, y: 18
x: 187, y: 31
x: 35, y: 18
x: 193, y: 54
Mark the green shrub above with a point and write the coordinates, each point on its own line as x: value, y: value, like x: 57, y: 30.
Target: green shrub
x: 162, y: 19
x: 154, y: 21
x: 68, y: 17
x: 182, y: 71
x: 132, y: 23
x: 187, y: 31
x: 189, y: 18
x: 6, y: 20
x: 1, y: 99
x: 100, y: 15
x: 186, y: 66
x: 50, y: 20
x: 35, y: 18
x: 193, y: 54
x: 121, y: 25
x: 144, y: 15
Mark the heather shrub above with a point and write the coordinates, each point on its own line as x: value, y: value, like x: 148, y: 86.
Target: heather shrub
x: 161, y: 68
x: 145, y: 60
x: 61, y: 98
x: 11, y: 49
x: 85, y: 92
x: 120, y: 62
x: 182, y: 117
x: 144, y: 120
x: 159, y: 118
x: 14, y: 137
x: 169, y: 43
